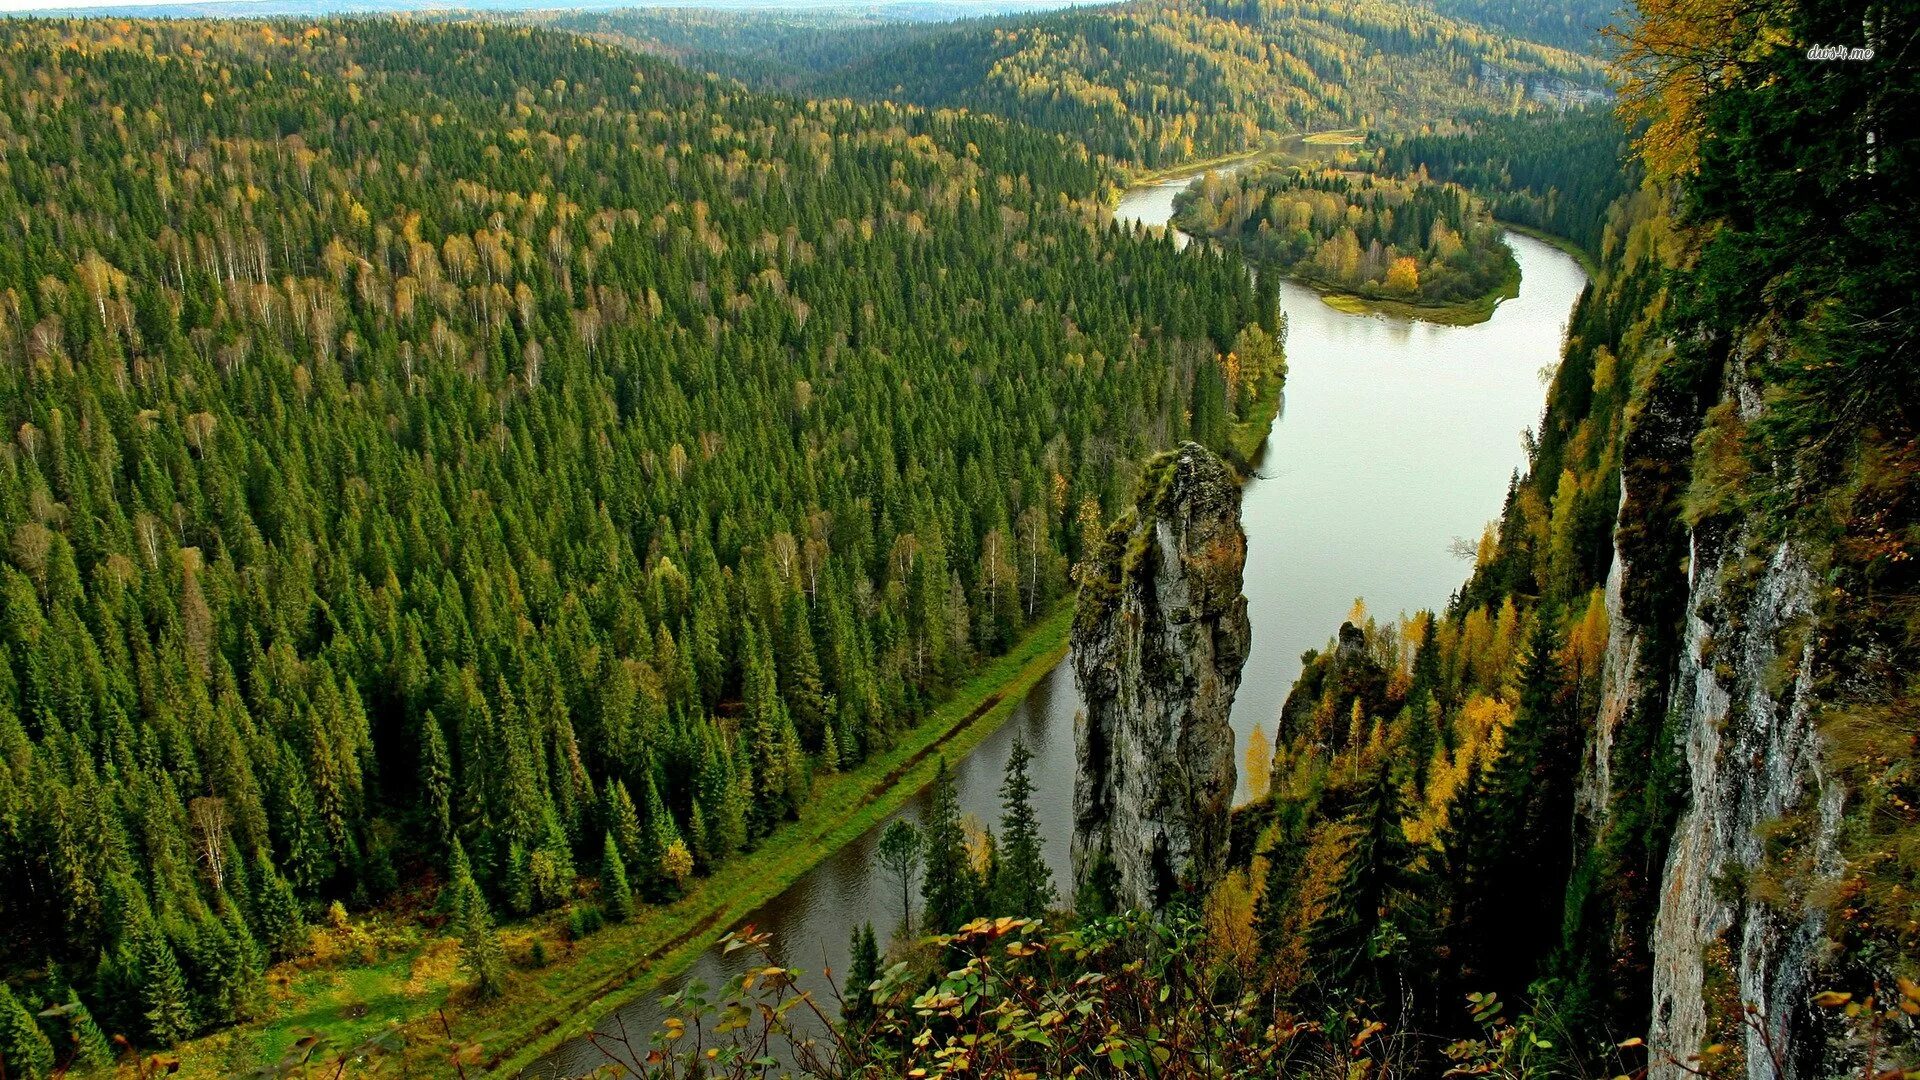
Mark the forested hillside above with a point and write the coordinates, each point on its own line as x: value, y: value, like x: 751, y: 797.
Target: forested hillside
x: 771, y: 49
x: 1557, y: 172
x: 475, y: 452
x: 1641, y: 800
x: 1378, y: 237
x: 1574, y: 25
x: 1156, y: 84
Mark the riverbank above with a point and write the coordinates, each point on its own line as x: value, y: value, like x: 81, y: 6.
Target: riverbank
x: 1575, y: 251
x: 1291, y: 146
x: 1462, y: 313
x: 854, y: 803
x: 394, y: 972
x: 1465, y: 313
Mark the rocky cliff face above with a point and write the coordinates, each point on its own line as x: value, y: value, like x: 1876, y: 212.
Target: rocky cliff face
x: 1732, y: 701
x: 1159, y: 638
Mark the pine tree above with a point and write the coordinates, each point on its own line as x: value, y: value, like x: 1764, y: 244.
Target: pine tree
x: 1529, y: 798
x: 949, y: 885
x: 615, y: 893
x: 623, y: 821
x: 1371, y: 926
x: 1022, y: 881
x: 799, y: 677
x: 1467, y: 844
x: 773, y: 747
x: 277, y: 911
x: 550, y: 866
x: 436, y: 783
x: 663, y: 836
x: 519, y: 890
x: 25, y: 1050
x: 1274, y: 911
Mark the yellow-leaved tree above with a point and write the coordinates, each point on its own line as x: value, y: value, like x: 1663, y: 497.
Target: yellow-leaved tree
x: 1259, y: 763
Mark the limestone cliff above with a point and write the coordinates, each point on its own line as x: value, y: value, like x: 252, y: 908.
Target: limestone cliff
x: 1722, y: 685
x: 1159, y: 638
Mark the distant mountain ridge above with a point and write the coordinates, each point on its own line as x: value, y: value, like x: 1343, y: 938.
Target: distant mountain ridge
x: 1148, y: 84
x: 1159, y: 83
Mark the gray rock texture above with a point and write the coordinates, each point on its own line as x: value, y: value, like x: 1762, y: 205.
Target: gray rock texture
x: 1159, y: 638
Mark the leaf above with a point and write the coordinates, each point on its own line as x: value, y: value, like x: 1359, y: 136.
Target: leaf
x: 1831, y: 999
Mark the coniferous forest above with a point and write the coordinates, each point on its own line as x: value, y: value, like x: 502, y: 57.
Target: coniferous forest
x: 472, y: 493
x: 441, y: 449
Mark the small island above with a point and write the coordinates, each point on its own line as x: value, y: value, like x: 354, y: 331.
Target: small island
x: 1414, y: 246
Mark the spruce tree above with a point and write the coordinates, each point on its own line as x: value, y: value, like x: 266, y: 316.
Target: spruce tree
x: 662, y: 835
x: 1022, y: 881
x: 277, y: 911
x: 1468, y: 844
x: 856, y: 1009
x: 1373, y: 923
x: 948, y: 886
x: 25, y: 1050
x: 623, y: 821
x: 163, y: 999
x: 899, y: 853
x: 436, y: 784
x: 480, y: 950
x: 90, y: 1046
x: 1529, y: 795
x: 615, y: 894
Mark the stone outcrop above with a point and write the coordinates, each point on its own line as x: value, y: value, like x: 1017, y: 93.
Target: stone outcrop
x: 1159, y: 638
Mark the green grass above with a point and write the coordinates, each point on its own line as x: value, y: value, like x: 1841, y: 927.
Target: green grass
x: 415, y: 975
x: 1251, y: 434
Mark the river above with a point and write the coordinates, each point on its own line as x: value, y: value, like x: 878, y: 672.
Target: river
x: 1396, y: 439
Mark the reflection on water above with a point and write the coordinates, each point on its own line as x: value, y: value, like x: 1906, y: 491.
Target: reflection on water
x: 1397, y: 438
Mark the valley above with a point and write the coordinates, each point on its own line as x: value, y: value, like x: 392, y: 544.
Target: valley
x: 1360, y: 538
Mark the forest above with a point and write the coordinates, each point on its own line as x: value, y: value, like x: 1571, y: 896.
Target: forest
x: 476, y: 454
x: 1465, y: 848
x: 1560, y: 174
x: 469, y: 486
x: 1148, y: 85
x: 1374, y: 236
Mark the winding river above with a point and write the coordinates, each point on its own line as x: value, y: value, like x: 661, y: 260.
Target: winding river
x: 1396, y: 439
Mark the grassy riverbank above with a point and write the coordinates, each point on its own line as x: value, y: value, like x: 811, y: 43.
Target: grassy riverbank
x: 390, y: 969
x: 1250, y: 435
